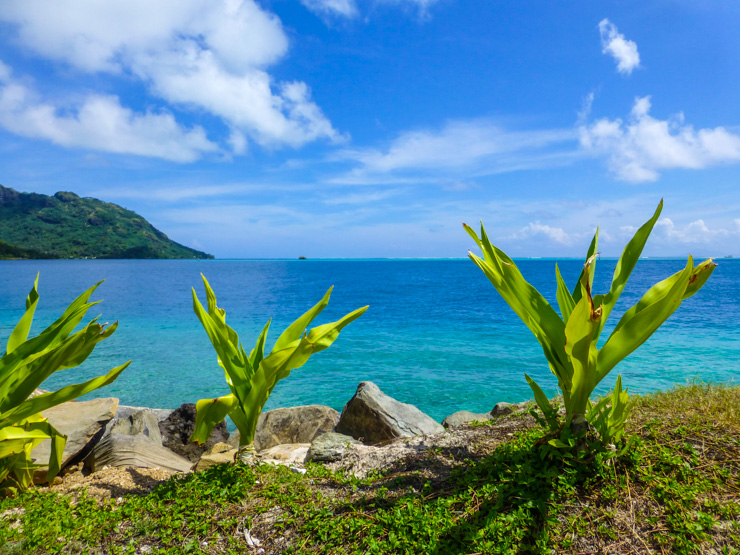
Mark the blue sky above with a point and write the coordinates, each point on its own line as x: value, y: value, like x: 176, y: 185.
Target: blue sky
x: 374, y: 128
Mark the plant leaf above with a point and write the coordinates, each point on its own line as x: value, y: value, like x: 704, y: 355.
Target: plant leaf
x: 209, y: 413
x: 565, y: 299
x: 20, y: 333
x: 640, y: 321
x: 590, y: 269
x: 626, y: 264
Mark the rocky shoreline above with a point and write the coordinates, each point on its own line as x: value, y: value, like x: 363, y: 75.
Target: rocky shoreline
x: 373, y: 431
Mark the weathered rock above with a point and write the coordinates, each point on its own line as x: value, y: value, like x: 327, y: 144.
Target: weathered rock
x: 219, y: 447
x: 234, y: 439
x: 329, y: 447
x: 293, y: 425
x: 502, y: 409
x: 134, y: 450
x: 125, y: 411
x: 372, y: 416
x: 286, y: 453
x: 464, y: 417
x: 177, y: 428
x: 212, y: 459
x: 82, y: 422
x: 141, y: 422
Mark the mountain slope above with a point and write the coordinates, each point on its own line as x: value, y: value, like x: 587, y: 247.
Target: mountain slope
x: 68, y: 226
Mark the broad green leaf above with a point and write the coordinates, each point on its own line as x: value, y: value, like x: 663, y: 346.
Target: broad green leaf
x: 590, y: 269
x: 565, y: 299
x: 297, y: 328
x: 581, y: 348
x: 640, y: 321
x: 529, y: 305
x: 626, y: 264
x: 45, y: 401
x: 258, y: 353
x: 209, y: 413
x: 20, y: 333
x: 27, y: 377
x: 544, y: 403
x: 58, y: 441
x: 699, y: 276
x: 252, y: 378
x: 236, y: 365
x: 321, y: 337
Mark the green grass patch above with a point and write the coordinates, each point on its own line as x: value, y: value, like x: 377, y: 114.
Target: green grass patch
x: 675, y: 489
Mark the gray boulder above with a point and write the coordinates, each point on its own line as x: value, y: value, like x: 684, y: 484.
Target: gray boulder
x: 502, y: 409
x: 329, y: 447
x: 464, y: 417
x: 177, y: 428
x: 141, y: 422
x: 125, y: 411
x: 134, y: 450
x: 293, y: 425
x: 82, y: 422
x: 372, y: 416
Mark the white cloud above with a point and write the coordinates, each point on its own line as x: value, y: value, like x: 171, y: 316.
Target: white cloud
x: 638, y: 148
x: 344, y: 8
x: 477, y: 147
x: 534, y: 230
x: 622, y: 50
x: 692, y: 233
x: 99, y: 122
x: 208, y: 55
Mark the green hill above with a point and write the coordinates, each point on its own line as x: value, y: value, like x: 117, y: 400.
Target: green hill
x: 68, y: 226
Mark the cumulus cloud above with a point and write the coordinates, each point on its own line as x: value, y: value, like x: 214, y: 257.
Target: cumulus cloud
x: 476, y: 146
x: 637, y: 149
x: 622, y: 50
x: 204, y: 55
x: 99, y: 122
x: 344, y: 8
x: 695, y: 232
x: 555, y: 234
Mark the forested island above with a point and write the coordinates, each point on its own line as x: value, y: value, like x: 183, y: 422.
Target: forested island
x: 66, y: 225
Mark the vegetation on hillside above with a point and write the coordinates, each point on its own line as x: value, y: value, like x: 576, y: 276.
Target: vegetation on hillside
x: 68, y: 226
x: 676, y: 490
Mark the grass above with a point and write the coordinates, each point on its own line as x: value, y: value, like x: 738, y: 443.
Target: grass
x: 675, y: 489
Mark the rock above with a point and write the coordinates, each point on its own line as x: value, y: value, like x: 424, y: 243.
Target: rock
x: 134, y: 450
x: 286, y: 453
x: 293, y: 425
x: 82, y: 422
x: 125, y: 411
x: 177, y: 428
x: 213, y: 459
x: 141, y: 422
x: 234, y: 439
x: 372, y: 416
x: 502, y: 409
x: 219, y: 447
x: 463, y: 417
x: 329, y: 447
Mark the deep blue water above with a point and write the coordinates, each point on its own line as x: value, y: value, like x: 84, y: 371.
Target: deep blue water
x: 436, y: 334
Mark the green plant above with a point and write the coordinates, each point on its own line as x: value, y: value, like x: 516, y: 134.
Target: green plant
x: 570, y: 342
x: 252, y: 378
x: 23, y: 368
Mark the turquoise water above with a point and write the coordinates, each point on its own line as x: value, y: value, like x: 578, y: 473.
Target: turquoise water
x: 436, y: 334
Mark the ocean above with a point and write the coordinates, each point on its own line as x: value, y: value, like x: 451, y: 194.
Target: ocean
x: 436, y: 335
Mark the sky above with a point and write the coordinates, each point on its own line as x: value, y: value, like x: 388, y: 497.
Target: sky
x: 374, y: 128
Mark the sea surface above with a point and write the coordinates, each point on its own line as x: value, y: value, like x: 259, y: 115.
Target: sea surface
x: 436, y: 335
